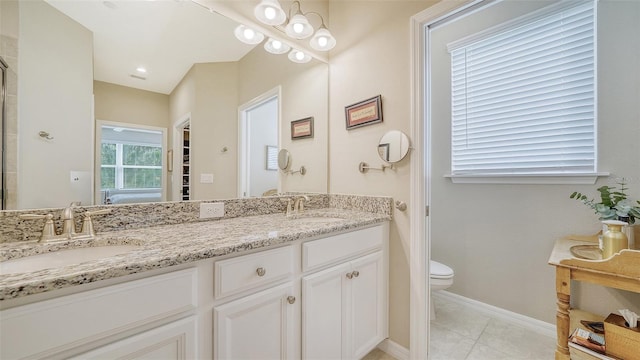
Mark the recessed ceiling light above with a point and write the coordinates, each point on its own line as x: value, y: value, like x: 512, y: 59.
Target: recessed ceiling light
x: 142, y: 70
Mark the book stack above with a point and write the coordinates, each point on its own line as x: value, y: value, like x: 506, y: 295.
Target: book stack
x: 588, y: 344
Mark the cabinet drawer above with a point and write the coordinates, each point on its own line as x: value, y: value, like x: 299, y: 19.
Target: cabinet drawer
x: 43, y: 329
x: 248, y: 271
x: 329, y: 250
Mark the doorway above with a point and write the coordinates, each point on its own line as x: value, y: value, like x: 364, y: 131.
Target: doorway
x: 258, y: 145
x: 130, y: 165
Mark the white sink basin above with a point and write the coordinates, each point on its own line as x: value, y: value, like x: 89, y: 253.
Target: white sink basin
x: 62, y: 258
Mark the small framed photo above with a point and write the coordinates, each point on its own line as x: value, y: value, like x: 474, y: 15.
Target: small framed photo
x: 302, y: 129
x: 365, y: 112
x: 383, y: 151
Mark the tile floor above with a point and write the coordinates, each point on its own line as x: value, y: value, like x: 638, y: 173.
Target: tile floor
x: 460, y: 333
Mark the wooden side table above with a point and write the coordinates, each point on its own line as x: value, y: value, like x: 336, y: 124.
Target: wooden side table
x: 621, y: 271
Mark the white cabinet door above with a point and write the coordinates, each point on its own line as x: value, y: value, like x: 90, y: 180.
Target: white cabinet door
x: 345, y: 309
x: 366, y: 322
x: 324, y: 303
x: 174, y: 341
x: 258, y: 326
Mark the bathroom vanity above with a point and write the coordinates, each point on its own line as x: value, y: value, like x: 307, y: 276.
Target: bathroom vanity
x: 620, y: 271
x: 249, y: 287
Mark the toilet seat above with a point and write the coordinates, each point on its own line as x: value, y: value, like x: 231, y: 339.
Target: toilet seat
x: 439, y: 271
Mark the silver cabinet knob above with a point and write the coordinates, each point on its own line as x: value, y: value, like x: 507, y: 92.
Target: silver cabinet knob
x: 291, y: 299
x: 261, y: 271
x: 356, y: 273
x: 350, y: 275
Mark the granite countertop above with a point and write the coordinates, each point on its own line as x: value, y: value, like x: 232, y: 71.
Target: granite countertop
x: 168, y: 245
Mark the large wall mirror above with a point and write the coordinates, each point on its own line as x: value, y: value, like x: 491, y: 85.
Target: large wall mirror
x: 80, y: 65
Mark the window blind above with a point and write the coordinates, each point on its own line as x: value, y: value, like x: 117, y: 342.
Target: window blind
x: 523, y: 98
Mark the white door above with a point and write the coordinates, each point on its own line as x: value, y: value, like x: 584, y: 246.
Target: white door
x: 259, y: 326
x: 258, y: 145
x: 174, y: 341
x: 366, y: 316
x: 323, y: 310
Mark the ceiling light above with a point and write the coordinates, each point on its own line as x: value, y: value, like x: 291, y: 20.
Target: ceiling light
x: 299, y: 57
x: 276, y: 46
x: 248, y: 36
x: 299, y: 27
x: 322, y: 40
x: 269, y: 12
x: 142, y: 70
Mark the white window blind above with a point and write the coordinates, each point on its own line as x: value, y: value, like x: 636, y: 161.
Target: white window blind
x: 523, y: 96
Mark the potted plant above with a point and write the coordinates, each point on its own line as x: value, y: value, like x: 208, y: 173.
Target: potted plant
x: 614, y: 204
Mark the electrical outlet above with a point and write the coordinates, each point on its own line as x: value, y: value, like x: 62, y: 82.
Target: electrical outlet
x: 211, y: 210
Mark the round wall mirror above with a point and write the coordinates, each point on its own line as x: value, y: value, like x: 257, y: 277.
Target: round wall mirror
x: 393, y: 146
x: 284, y: 159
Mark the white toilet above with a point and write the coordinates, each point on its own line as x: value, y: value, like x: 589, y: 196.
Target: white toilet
x: 441, y: 278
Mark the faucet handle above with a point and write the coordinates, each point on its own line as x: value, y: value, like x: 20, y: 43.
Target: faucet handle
x: 97, y: 212
x: 87, y: 223
x: 289, y: 202
x: 48, y: 231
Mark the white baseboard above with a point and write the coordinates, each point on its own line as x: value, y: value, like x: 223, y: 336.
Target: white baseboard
x: 394, y: 349
x: 535, y: 325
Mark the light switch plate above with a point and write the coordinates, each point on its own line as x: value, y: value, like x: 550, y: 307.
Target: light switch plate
x: 211, y: 210
x: 206, y: 178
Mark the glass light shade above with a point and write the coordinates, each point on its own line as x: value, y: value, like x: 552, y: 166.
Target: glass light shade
x: 276, y: 46
x: 269, y: 12
x: 299, y: 57
x: 323, y: 40
x: 299, y: 27
x: 247, y: 35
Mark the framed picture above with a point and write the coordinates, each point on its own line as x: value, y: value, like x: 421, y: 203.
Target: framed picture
x: 383, y: 151
x: 271, y: 160
x: 302, y: 129
x: 365, y: 112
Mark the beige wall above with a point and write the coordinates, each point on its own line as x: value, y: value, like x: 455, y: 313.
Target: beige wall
x: 209, y: 93
x: 372, y: 57
x: 304, y: 90
x: 55, y: 91
x: 124, y: 104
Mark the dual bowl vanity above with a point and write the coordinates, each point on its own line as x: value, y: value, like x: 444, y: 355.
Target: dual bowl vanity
x: 312, y: 285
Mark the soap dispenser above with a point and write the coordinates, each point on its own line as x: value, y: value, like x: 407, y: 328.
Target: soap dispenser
x: 613, y: 240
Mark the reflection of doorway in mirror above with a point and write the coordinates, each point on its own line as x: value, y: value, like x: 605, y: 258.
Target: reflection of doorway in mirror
x: 186, y: 164
x: 259, y: 133
x: 131, y: 166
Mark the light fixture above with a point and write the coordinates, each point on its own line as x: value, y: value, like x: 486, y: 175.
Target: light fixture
x: 276, y: 46
x: 269, y: 12
x: 298, y: 26
x: 141, y: 70
x: 299, y: 57
x: 247, y: 35
x: 323, y: 40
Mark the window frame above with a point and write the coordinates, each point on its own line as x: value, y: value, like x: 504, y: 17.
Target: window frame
x: 119, y: 165
x: 534, y: 178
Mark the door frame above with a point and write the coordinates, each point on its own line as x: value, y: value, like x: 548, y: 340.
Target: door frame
x: 420, y: 233
x: 98, y: 145
x: 176, y: 181
x: 243, y: 136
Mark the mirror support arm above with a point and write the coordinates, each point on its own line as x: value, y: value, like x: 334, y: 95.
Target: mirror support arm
x: 364, y: 167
